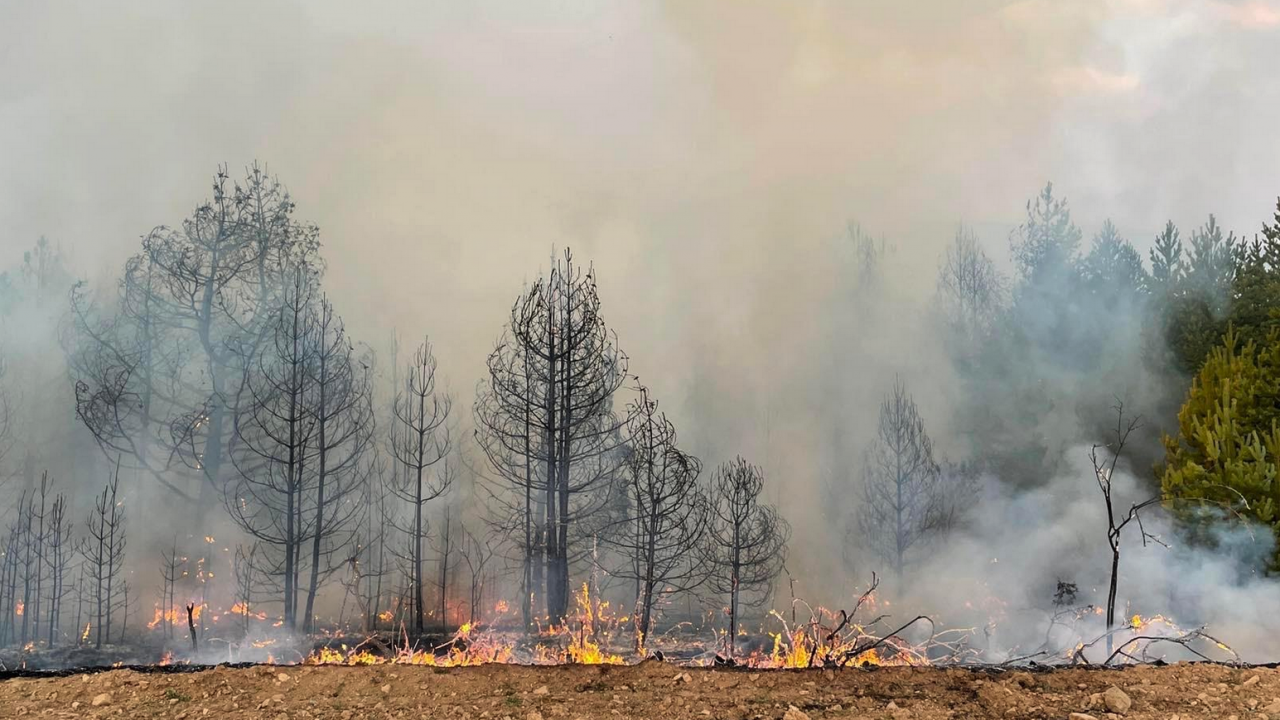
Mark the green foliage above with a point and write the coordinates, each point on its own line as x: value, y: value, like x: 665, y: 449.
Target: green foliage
x: 1198, y: 290
x: 1112, y: 271
x: 1229, y: 434
x: 1166, y: 260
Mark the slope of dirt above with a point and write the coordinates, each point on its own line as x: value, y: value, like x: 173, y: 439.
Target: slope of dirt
x: 650, y: 690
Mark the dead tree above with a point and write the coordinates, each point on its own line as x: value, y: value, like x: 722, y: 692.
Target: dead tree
x: 196, y: 303
x: 10, y: 565
x: 341, y: 410
x: 745, y: 540
x: 127, y: 366
x: 276, y: 430
x: 39, y: 514
x: 419, y: 438
x: 58, y: 554
x: 970, y: 290
x: 505, y: 432
x: 172, y: 568
x: 548, y: 403
x: 80, y: 587
x: 32, y: 550
x: 191, y: 627
x: 1104, y: 472
x: 477, y: 553
x: 124, y: 608
x: 666, y: 517
x: 445, y: 544
x: 248, y: 575
x: 903, y: 498
x: 104, y: 554
x: 370, y: 561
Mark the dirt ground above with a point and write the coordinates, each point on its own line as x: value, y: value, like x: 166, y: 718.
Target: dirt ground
x: 649, y: 690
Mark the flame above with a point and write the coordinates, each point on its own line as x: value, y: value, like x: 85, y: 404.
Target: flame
x: 19, y: 608
x: 85, y: 635
x: 240, y: 609
x: 580, y: 641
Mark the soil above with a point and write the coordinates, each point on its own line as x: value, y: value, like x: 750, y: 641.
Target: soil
x: 648, y: 690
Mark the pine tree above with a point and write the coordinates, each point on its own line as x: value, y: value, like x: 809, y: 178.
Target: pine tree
x: 1044, y: 247
x: 1166, y: 260
x: 1229, y: 435
x: 1112, y: 271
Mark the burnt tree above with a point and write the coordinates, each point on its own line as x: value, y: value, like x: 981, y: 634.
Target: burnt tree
x: 172, y: 569
x: 159, y: 374
x: 1103, y: 472
x: 903, y: 496
x: 248, y: 575
x: 665, y: 519
x: 547, y: 424
x: 276, y: 433
x: 58, y: 553
x: 477, y: 554
x: 745, y: 540
x: 103, y: 551
x: 341, y: 408
x: 419, y: 439
x: 970, y: 291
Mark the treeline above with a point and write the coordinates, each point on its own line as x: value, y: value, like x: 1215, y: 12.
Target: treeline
x: 218, y: 377
x: 221, y: 371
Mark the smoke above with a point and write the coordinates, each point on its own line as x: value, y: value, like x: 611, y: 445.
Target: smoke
x: 706, y: 158
x: 1005, y: 567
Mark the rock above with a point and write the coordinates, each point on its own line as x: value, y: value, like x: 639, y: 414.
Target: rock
x: 1080, y: 716
x: 75, y: 705
x: 533, y: 715
x: 386, y: 688
x: 1253, y: 679
x: 891, y: 706
x: 1273, y: 708
x: 100, y: 700
x: 1116, y: 700
x: 795, y: 713
x: 282, y: 677
x: 542, y: 690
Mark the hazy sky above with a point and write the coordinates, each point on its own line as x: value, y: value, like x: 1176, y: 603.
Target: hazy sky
x: 705, y: 155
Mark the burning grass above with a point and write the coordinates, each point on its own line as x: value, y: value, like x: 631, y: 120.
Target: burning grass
x: 596, y: 634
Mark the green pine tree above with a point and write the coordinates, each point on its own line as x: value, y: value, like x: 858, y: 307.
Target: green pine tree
x: 1229, y: 437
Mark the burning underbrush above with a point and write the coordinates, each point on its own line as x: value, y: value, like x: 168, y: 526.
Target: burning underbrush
x: 825, y: 639
x: 597, y: 634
